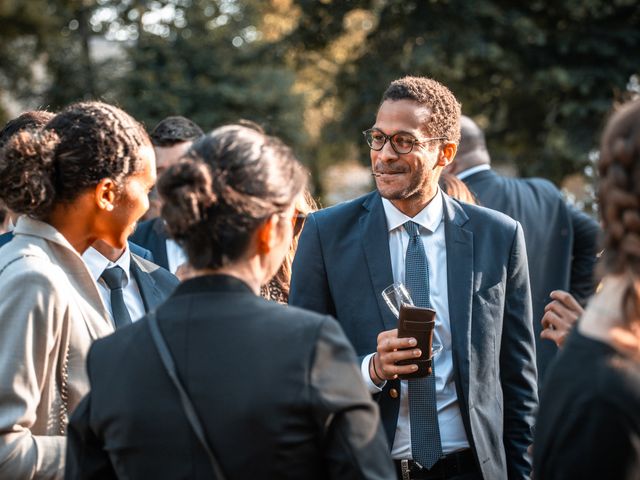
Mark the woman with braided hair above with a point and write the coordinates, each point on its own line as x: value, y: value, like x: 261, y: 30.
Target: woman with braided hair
x: 589, y: 420
x: 83, y: 177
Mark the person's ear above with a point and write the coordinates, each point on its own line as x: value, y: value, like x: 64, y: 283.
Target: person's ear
x: 447, y: 153
x: 265, y: 235
x: 105, y: 194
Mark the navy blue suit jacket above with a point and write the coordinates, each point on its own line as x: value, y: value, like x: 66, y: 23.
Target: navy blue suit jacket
x: 153, y: 236
x: 154, y: 282
x: 562, y: 242
x: 343, y: 263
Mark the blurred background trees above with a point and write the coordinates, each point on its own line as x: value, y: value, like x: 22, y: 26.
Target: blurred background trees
x: 539, y: 76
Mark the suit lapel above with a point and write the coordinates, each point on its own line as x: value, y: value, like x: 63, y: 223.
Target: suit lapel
x: 151, y: 296
x: 159, y: 241
x: 459, y: 243
x: 375, y: 240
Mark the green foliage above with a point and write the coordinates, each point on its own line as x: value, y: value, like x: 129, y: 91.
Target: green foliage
x: 540, y: 76
x: 207, y: 63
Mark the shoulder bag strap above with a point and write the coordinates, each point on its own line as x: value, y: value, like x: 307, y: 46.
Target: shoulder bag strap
x: 187, y: 406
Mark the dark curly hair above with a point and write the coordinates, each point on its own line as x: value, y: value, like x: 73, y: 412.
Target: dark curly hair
x: 173, y: 130
x: 619, y: 199
x: 83, y: 144
x: 444, y: 120
x: 229, y: 182
x: 31, y: 120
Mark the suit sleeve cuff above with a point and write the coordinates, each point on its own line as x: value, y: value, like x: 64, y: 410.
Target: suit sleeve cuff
x: 364, y: 369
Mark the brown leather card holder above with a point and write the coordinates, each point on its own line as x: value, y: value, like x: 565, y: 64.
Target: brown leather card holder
x: 417, y: 322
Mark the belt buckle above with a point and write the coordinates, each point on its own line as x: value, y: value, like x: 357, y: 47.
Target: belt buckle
x: 404, y: 469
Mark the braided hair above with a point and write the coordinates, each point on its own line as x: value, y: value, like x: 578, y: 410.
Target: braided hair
x: 619, y: 199
x: 83, y: 144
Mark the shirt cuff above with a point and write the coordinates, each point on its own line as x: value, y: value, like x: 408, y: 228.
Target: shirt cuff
x: 364, y: 369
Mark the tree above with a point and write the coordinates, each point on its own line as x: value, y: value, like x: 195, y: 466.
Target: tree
x: 44, y: 52
x: 539, y: 76
x: 205, y: 59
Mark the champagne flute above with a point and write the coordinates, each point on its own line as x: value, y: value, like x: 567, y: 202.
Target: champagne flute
x: 396, y: 295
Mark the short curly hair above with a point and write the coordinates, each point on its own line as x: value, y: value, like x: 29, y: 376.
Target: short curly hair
x: 174, y: 130
x: 444, y: 120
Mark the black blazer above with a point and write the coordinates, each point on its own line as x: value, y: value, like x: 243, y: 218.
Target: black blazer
x: 276, y: 388
x: 152, y: 235
x: 341, y: 267
x: 562, y: 242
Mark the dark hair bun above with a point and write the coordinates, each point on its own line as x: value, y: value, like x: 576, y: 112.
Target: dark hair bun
x: 27, y: 173
x: 186, y: 189
x: 228, y: 183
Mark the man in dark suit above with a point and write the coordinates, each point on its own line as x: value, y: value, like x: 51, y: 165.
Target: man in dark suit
x: 171, y: 139
x: 561, y: 240
x: 142, y: 285
x: 473, y: 416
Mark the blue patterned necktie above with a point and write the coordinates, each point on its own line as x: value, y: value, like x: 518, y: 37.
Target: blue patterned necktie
x: 423, y: 413
x: 113, y: 278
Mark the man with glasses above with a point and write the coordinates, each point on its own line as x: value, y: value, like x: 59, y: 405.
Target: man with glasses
x: 472, y: 417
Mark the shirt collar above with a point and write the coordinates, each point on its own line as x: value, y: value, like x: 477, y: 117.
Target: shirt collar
x: 97, y: 263
x: 429, y: 217
x: 473, y: 170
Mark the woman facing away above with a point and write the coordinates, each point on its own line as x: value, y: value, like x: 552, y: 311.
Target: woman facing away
x: 84, y: 177
x: 589, y: 419
x: 277, y: 389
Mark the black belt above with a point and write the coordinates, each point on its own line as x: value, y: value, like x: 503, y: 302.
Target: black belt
x: 456, y: 463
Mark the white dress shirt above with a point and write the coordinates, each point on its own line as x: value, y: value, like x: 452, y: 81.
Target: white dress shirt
x: 430, y: 219
x: 97, y: 264
x: 175, y: 255
x: 472, y: 171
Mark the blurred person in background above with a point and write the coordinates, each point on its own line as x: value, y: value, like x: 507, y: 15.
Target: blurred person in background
x: 171, y: 139
x: 84, y: 177
x: 561, y: 241
x: 277, y: 389
x: 588, y: 424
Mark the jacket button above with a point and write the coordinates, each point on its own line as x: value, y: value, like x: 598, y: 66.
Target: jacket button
x: 393, y: 393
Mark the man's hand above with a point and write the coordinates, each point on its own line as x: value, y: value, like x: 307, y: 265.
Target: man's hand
x: 390, y: 350
x: 560, y: 314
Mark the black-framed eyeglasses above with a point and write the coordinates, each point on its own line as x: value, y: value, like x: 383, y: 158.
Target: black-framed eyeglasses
x: 400, y: 142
